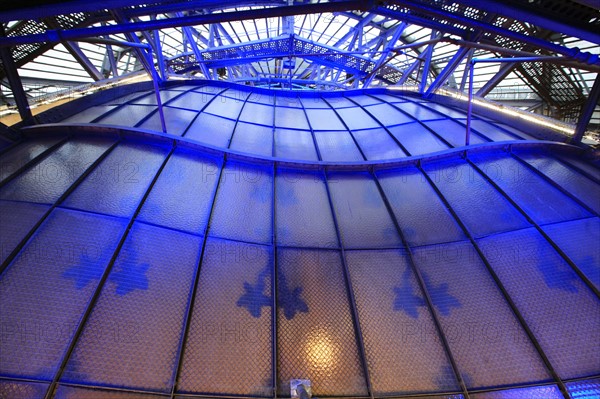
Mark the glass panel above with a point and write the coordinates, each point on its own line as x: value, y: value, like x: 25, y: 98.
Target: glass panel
x: 190, y: 100
x: 65, y: 392
x: 574, y: 182
x: 17, y: 219
x: 183, y: 194
x: 303, y: 214
x: 150, y: 280
x: 588, y: 389
x: 378, y: 144
x: 150, y: 99
x: 388, y: 115
x: 60, y: 267
x: 538, y: 198
x: 211, y: 130
x: 49, y: 179
x: 420, y: 112
x: 88, y: 115
x: 362, y: 217
x: 479, y: 206
x: 316, y: 338
x: 127, y: 115
x: 558, y: 307
x: 176, y: 120
x: 421, y: 214
x: 337, y: 146
x: 257, y: 113
x: 118, y: 184
x: 324, y: 119
x: 580, y: 241
x: 402, y: 346
x: 488, y: 344
x: 417, y: 140
x: 546, y: 392
x: 291, y: 118
x: 254, y: 139
x: 454, y: 133
x: 22, y: 390
x: 228, y: 349
x: 295, y: 144
x: 356, y: 118
x: 447, y: 111
x: 20, y: 155
x: 225, y: 107
x: 243, y: 206
x: 491, y: 132
x: 364, y: 99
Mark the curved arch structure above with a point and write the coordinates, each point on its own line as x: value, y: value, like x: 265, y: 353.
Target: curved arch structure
x: 350, y: 240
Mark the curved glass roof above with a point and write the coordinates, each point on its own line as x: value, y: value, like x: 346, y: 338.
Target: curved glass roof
x: 144, y: 264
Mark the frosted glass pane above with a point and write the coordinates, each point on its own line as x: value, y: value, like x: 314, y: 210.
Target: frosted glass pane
x: 150, y: 279
x: 587, y: 389
x: 254, y: 139
x: 117, y: 185
x: 454, y: 133
x: 561, y: 311
x: 480, y: 207
x: 364, y: 99
x: 580, y: 241
x: 211, y: 130
x: 324, y: 119
x: 16, y: 220
x: 20, y: 155
x: 68, y: 392
x: 337, y: 146
x: 150, y: 99
x: 176, y: 121
x: 127, y: 115
x: 257, y: 113
x: 378, y: 144
x: 225, y: 107
x: 417, y: 140
x: 191, y: 100
x: 303, y: 214
x: 447, y: 111
x: 22, y: 390
x: 48, y: 180
x: 183, y: 194
x: 356, y: 118
x: 421, y: 214
x: 362, y: 217
x: 490, y: 347
x: 571, y: 180
x: 243, y: 206
x: 46, y: 289
x: 492, y: 132
x: 295, y: 144
x: 316, y: 338
x: 539, y: 199
x: 88, y: 115
x: 546, y: 392
x: 388, y: 115
x: 228, y: 350
x: 402, y: 346
x: 419, y: 112
x: 291, y: 118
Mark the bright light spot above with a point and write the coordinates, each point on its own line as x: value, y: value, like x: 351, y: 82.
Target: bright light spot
x: 321, y: 351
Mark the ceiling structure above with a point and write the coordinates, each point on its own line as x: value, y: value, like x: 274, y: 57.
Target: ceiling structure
x: 426, y: 45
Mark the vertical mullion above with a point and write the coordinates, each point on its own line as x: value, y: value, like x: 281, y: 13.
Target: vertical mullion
x: 423, y: 286
x: 194, y: 288
x: 96, y: 295
x: 355, y: 318
x: 312, y: 132
x: 237, y: 121
x: 73, y: 186
x: 500, y: 286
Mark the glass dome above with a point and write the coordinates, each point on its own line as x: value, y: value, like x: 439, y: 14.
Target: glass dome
x: 349, y: 239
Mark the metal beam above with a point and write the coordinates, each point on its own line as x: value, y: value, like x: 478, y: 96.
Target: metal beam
x: 16, y: 85
x: 129, y: 27
x: 504, y: 71
x: 587, y: 111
